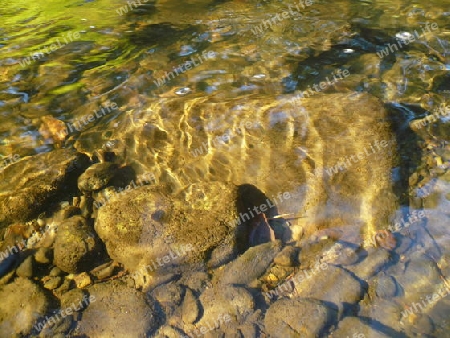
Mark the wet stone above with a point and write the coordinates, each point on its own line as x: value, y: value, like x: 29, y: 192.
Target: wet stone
x: 104, y: 271
x: 169, y: 296
x: 248, y: 330
x: 82, y: 280
x: 140, y: 226
x: 299, y: 318
x: 26, y: 268
x: 190, y: 311
x: 44, y: 255
x: 385, y: 239
x: 223, y: 254
x: 383, y: 315
x: 97, y: 176
x: 420, y: 277
x: 287, y: 257
x: 76, y: 246
x: 220, y: 301
x: 195, y: 280
x: 168, y: 331
x: 432, y: 201
x: 74, y: 296
x: 355, y: 328
x: 439, y: 316
x: 51, y: 283
x: 403, y: 244
x: 375, y: 261
x: 385, y: 286
x: 23, y: 304
x: 422, y: 325
x: 66, y: 285
x: 55, y: 272
x: 342, y: 254
x: 7, y: 278
x: 116, y: 311
x: 310, y: 252
x: 249, y: 266
x: 332, y: 285
x: 60, y: 329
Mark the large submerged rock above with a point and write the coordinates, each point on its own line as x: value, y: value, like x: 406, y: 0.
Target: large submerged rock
x: 327, y: 157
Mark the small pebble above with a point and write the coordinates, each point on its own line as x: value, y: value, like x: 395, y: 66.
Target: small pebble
x: 183, y: 91
x: 385, y: 239
x: 43, y: 255
x: 51, y: 283
x: 68, y: 212
x: 386, y: 287
x: 55, y: 272
x: 74, y: 296
x: 41, y: 222
x: 26, y: 268
x: 190, y: 309
x: 82, y: 280
x: 104, y: 271
x: 76, y: 201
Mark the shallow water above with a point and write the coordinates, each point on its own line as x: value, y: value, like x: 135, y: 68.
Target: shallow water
x: 209, y: 91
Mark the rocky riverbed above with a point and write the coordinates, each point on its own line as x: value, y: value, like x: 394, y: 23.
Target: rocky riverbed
x: 224, y: 168
x: 121, y: 251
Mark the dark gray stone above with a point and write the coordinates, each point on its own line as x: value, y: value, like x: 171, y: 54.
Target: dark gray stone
x: 220, y: 301
x: 385, y: 286
x: 117, y: 311
x: 298, y: 318
x: 333, y: 284
x: 251, y: 265
x: 376, y: 259
x: 353, y: 327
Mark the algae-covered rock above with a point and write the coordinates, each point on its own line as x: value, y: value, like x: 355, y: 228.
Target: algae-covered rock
x: 76, y: 246
x: 97, y: 176
x: 148, y: 231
